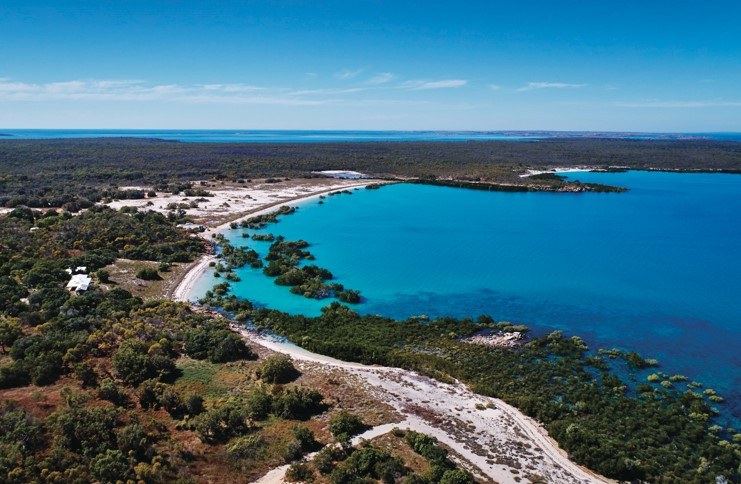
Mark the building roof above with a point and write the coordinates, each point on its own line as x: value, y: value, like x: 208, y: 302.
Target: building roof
x: 79, y: 282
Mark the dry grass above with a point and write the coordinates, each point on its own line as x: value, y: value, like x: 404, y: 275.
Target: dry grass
x: 123, y: 275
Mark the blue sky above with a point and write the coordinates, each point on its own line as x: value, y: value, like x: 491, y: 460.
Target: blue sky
x: 558, y: 65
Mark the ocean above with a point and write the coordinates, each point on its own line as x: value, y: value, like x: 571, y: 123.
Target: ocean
x: 656, y: 269
x: 327, y: 136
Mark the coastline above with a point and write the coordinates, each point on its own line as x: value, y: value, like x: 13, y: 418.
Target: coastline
x: 450, y: 420
x: 500, y: 422
x: 183, y: 288
x: 555, y: 171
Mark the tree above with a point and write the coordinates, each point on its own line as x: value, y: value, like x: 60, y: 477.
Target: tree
x: 246, y: 447
x: 111, y: 466
x: 103, y: 275
x: 135, y: 363
x: 278, y: 369
x: 457, y: 476
x: 109, y: 391
x: 133, y: 440
x: 148, y: 274
x: 344, y: 425
x: 297, y: 403
x: 213, y: 341
x: 10, y: 332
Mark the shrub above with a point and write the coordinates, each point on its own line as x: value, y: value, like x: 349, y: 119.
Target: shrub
x: 10, y: 332
x: 299, y: 472
x: 259, y: 402
x: 216, y: 343
x: 135, y: 363
x: 297, y: 403
x: 103, y: 275
x: 221, y: 423
x: 344, y: 425
x: 305, y: 437
x: 247, y: 447
x: 85, y: 430
x: 109, y: 391
x: 457, y: 476
x: 111, y: 466
x: 278, y: 369
x: 194, y: 404
x: 133, y: 440
x: 86, y: 374
x: 148, y: 274
x: 324, y: 460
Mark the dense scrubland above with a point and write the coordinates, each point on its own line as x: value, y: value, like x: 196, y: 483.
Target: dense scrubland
x: 108, y: 387
x: 54, y: 172
x: 602, y: 406
x: 105, y: 384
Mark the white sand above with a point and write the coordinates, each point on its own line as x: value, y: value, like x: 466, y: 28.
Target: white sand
x: 495, y: 440
x: 555, y: 171
x: 231, y: 199
x: 186, y: 286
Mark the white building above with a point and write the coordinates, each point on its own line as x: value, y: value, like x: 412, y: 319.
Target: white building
x: 79, y: 283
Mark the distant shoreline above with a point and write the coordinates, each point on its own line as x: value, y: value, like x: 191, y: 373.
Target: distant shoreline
x: 354, y: 136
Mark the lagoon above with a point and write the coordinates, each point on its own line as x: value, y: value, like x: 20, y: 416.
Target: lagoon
x: 656, y: 269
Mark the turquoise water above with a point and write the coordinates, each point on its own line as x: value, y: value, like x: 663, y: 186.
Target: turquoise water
x: 321, y: 136
x: 656, y: 269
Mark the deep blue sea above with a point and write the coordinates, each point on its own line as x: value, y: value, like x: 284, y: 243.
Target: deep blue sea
x: 325, y: 136
x: 656, y: 269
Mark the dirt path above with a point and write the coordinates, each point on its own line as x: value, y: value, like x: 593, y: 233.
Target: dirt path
x: 500, y: 441
x: 494, y: 437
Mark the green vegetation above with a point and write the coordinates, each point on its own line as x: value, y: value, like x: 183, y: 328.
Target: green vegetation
x: 443, y: 469
x: 77, y: 173
x: 369, y: 462
x: 148, y: 274
x: 215, y: 343
x: 278, y: 369
x: 121, y: 383
x: 309, y: 281
x: 344, y: 425
x: 260, y: 221
x: 555, y: 184
x: 585, y: 406
x: 263, y: 237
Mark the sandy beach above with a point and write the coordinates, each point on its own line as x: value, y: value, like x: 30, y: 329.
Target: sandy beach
x: 490, y: 435
x: 185, y: 286
x: 555, y: 171
x: 494, y: 440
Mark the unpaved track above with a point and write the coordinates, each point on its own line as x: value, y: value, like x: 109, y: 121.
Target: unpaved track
x: 500, y: 441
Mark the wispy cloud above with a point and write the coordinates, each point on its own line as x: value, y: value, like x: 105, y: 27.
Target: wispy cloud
x: 679, y: 104
x: 531, y: 86
x: 443, y: 84
x: 132, y: 91
x: 495, y: 87
x: 381, y: 78
x: 304, y: 92
x: 346, y: 74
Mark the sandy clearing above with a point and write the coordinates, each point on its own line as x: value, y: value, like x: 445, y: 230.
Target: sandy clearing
x: 499, y: 441
x: 276, y: 476
x: 554, y: 171
x: 495, y: 438
x: 231, y: 199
